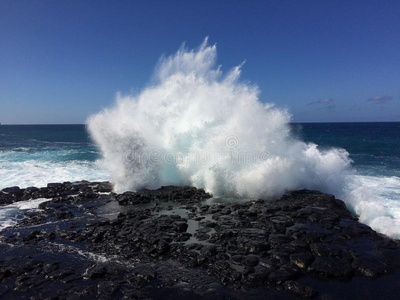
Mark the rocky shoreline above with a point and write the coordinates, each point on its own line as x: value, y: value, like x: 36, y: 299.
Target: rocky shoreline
x: 86, y: 242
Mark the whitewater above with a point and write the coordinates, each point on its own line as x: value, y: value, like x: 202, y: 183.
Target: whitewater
x: 195, y: 125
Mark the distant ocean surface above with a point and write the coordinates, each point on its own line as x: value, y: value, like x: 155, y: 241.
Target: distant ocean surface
x: 33, y: 155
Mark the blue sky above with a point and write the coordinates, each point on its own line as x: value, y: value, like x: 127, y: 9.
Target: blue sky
x: 331, y: 61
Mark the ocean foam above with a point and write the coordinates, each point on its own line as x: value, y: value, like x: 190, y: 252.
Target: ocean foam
x: 39, y: 172
x: 10, y: 214
x: 28, y: 204
x: 377, y: 202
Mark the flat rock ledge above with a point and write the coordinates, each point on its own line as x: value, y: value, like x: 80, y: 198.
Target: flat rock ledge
x: 86, y: 242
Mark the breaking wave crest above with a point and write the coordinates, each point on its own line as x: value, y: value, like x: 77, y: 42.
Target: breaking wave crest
x: 195, y: 125
x: 198, y: 126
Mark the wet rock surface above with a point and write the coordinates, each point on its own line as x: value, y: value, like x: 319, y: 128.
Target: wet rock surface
x: 86, y: 242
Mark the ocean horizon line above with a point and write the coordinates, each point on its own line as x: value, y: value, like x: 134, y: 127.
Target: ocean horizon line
x: 306, y: 122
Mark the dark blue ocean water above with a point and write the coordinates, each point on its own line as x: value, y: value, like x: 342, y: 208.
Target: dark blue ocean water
x: 47, y: 138
x: 37, y: 154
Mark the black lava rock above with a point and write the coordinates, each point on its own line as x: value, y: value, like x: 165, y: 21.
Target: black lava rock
x: 87, y: 242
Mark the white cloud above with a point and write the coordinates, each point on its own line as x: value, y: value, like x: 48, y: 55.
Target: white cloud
x: 380, y: 99
x: 322, y: 101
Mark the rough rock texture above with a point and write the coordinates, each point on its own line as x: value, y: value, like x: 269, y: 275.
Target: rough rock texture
x: 178, y: 242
